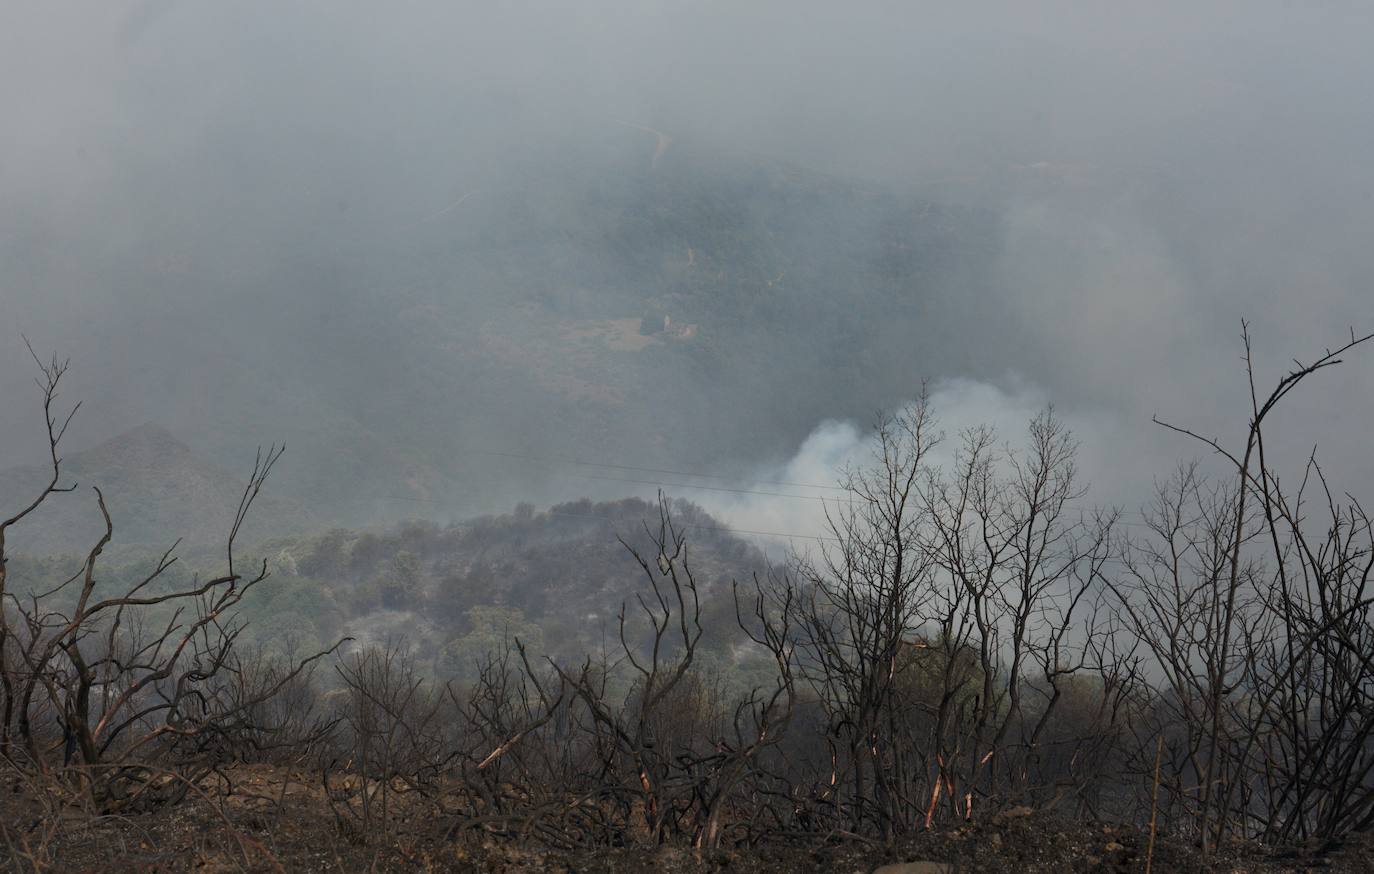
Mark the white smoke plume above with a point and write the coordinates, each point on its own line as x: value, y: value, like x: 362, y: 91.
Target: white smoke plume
x: 787, y: 501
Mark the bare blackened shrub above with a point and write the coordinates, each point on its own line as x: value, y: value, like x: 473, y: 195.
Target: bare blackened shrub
x: 855, y: 609
x: 672, y: 758
x: 288, y: 727
x: 391, y: 744
x: 1082, y: 764
x: 1172, y: 585
x: 1257, y: 615
x: 1309, y: 697
x: 521, y: 764
x: 134, y: 695
x: 1023, y: 564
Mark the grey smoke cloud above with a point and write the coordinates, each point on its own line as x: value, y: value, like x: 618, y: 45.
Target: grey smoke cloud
x: 172, y: 172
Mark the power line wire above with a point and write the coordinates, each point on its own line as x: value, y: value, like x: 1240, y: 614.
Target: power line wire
x: 657, y: 470
x: 666, y: 486
x: 743, y: 491
x: 551, y: 512
x: 662, y: 485
x: 726, y: 529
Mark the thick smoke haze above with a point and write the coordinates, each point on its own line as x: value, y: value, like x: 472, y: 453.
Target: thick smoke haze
x: 367, y: 228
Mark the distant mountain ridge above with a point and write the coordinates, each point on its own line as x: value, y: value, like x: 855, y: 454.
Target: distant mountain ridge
x: 157, y: 490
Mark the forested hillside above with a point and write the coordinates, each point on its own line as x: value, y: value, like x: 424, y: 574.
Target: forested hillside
x: 450, y: 595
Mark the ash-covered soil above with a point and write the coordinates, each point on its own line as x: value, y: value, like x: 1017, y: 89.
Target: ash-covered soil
x: 278, y: 821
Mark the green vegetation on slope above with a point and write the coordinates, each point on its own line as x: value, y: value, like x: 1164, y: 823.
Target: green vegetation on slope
x: 555, y: 579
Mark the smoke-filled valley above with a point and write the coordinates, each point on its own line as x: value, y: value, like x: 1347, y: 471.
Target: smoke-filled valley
x: 765, y: 436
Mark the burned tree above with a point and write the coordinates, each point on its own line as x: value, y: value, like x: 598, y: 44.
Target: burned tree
x: 129, y: 708
x: 1256, y: 612
x: 942, y: 630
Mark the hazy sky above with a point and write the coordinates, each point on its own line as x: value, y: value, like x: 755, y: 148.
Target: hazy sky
x: 1159, y: 171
